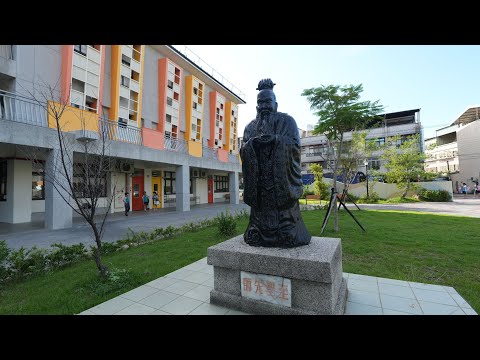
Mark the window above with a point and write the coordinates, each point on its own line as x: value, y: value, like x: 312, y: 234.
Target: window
x: 38, y: 181
x: 3, y: 180
x: 91, y: 103
x: 86, y: 186
x: 221, y: 183
x: 169, y: 101
x: 169, y: 183
x: 168, y: 118
x: 195, y: 90
x: 194, y: 105
x: 122, y: 123
x: 124, y: 81
x: 81, y: 49
x: 125, y: 60
x: 170, y: 84
x: 374, y: 164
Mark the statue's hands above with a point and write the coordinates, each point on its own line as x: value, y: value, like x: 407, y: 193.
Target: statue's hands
x: 266, y: 138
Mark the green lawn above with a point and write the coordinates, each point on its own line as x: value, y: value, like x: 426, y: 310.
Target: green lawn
x: 435, y: 249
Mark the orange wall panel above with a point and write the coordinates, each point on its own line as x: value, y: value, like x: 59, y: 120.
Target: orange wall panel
x: 222, y: 155
x: 67, y: 54
x: 73, y: 118
x: 153, y: 139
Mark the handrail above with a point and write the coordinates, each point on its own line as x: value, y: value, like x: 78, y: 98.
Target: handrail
x: 209, y: 153
x: 117, y: 131
x: 22, y: 109
x: 6, y: 52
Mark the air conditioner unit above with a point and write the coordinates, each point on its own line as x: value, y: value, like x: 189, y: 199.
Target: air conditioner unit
x: 203, y: 174
x: 195, y: 173
x: 126, y: 168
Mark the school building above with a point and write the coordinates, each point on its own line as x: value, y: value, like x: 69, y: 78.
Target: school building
x: 171, y: 124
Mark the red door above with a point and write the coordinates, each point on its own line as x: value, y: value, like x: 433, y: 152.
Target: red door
x: 210, y: 191
x: 137, y: 193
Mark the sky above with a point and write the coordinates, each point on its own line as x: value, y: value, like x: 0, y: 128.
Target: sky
x: 441, y: 80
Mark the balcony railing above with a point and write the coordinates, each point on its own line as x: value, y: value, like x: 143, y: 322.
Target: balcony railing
x: 178, y: 145
x: 116, y: 131
x: 232, y: 158
x: 6, y: 52
x: 18, y: 108
x: 209, y: 153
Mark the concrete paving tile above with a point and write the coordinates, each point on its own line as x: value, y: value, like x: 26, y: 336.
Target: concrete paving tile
x: 400, y: 304
x: 209, y: 309
x: 357, y: 284
x: 181, y: 287
x: 198, y: 277
x: 362, y: 309
x: 432, y: 287
x: 468, y: 311
x: 460, y: 301
x: 159, y: 299
x: 112, y: 306
x: 364, y: 297
x: 393, y: 282
x: 180, y: 274
x: 363, y: 277
x: 136, y: 309
x: 438, y: 297
x: 200, y: 292
x: 430, y: 308
x: 139, y: 293
x: 395, y: 290
x: 181, y: 306
x: 162, y: 283
x: 394, y: 312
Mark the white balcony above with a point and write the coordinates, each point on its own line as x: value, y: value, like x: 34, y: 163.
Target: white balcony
x: 94, y: 54
x: 125, y: 71
x: 124, y: 92
x: 79, y: 60
x: 123, y: 112
x: 78, y: 73
x: 135, y: 65
x: 126, y: 50
x: 135, y: 86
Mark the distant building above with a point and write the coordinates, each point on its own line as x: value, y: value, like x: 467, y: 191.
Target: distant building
x: 403, y: 123
x: 455, y: 149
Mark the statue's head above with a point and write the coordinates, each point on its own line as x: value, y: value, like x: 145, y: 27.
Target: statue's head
x: 266, y: 101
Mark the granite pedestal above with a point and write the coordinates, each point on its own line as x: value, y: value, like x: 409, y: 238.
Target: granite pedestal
x: 305, y: 280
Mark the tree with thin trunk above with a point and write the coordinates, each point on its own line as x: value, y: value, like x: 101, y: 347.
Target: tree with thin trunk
x: 81, y: 168
x: 339, y: 110
x: 404, y: 161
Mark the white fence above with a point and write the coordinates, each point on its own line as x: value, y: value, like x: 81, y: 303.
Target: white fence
x: 387, y: 191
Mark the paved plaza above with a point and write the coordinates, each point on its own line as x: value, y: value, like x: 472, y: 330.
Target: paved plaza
x: 187, y: 292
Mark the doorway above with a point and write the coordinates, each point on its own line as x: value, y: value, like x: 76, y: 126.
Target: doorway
x: 157, y: 186
x: 210, y: 190
x: 137, y: 191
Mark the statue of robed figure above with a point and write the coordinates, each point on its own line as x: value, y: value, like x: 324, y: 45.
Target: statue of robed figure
x: 272, y: 175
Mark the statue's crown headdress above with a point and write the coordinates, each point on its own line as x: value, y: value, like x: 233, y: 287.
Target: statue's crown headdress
x: 265, y: 84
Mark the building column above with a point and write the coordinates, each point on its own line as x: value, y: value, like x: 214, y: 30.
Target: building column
x: 58, y: 214
x: 18, y: 207
x: 182, y: 185
x: 233, y: 182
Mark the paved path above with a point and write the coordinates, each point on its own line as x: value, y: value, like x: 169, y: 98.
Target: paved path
x: 459, y: 206
x: 28, y: 235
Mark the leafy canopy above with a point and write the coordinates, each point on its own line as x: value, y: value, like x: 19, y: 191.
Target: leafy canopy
x: 339, y: 109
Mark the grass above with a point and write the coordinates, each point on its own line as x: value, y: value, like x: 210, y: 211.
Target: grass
x: 420, y: 247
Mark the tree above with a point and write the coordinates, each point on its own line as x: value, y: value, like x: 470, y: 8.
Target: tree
x: 321, y: 188
x: 403, y: 161
x: 339, y: 110
x: 78, y: 172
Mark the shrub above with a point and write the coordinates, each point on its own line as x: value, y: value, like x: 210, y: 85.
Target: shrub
x: 227, y: 224
x: 372, y: 198
x: 64, y: 255
x: 433, y: 195
x: 322, y: 189
x: 4, y: 253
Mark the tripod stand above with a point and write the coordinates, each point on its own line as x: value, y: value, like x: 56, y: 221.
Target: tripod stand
x: 330, y: 206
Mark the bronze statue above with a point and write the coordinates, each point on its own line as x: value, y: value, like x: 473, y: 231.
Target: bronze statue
x: 272, y: 175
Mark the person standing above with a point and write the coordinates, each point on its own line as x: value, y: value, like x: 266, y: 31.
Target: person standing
x: 476, y: 189
x: 126, y: 203
x: 464, y: 190
x: 146, y: 200
x: 156, y: 200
